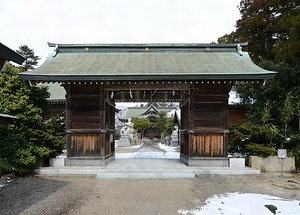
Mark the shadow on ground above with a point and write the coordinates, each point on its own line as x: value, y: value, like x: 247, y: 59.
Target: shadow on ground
x: 25, y: 192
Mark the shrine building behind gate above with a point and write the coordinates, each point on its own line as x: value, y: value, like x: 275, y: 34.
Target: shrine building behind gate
x: 198, y: 76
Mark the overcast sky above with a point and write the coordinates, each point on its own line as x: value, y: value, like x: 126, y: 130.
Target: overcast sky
x: 36, y: 22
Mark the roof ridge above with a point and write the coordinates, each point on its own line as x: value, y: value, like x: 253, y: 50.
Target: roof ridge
x: 157, y: 45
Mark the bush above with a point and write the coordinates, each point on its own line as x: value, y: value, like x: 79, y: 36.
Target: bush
x: 296, y: 153
x: 294, y: 146
x: 15, y: 151
x: 254, y: 139
x: 21, y: 147
x: 5, y: 166
x: 260, y: 150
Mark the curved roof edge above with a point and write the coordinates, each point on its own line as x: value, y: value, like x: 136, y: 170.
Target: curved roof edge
x: 65, y: 78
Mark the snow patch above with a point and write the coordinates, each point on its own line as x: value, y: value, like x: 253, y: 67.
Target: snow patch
x: 168, y: 148
x: 149, y: 155
x: 246, y: 204
x: 170, y: 153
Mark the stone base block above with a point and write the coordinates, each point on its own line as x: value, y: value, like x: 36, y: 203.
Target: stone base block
x: 237, y: 162
x: 205, y: 161
x: 174, y: 143
x: 58, y: 161
x: 123, y: 142
x: 89, y: 161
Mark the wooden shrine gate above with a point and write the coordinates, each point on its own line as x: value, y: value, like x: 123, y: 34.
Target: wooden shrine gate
x: 204, y: 110
x: 90, y: 125
x: 204, y: 125
x: 198, y: 76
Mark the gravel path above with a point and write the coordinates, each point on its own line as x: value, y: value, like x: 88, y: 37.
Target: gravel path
x: 87, y: 195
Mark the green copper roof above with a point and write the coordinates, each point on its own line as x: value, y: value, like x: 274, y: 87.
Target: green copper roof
x: 57, y: 92
x: 92, y: 62
x: 141, y: 111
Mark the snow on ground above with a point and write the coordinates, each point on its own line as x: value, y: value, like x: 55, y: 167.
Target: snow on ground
x: 168, y: 148
x: 158, y: 155
x: 245, y: 204
x: 169, y: 153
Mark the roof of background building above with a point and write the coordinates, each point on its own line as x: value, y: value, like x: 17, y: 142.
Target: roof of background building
x: 4, y: 118
x: 96, y: 62
x: 57, y: 92
x: 8, y: 116
x: 142, y: 111
x: 6, y: 54
x: 10, y: 55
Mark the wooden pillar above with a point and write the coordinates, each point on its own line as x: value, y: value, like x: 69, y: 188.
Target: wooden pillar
x: 205, y: 130
x: 68, y: 89
x: 102, y: 121
x: 86, y: 126
x: 109, y: 125
x: 185, y: 126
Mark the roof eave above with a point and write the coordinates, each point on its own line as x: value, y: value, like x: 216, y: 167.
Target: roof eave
x: 7, y: 116
x: 51, y: 100
x: 173, y: 77
x: 10, y: 55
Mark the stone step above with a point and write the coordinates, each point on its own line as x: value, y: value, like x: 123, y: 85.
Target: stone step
x: 144, y: 174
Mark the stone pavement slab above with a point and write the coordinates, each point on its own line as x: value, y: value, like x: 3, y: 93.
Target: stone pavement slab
x: 144, y: 168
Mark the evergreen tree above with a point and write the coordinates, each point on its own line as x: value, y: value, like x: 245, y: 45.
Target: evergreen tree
x: 272, y: 29
x: 30, y: 59
x: 164, y: 123
x: 140, y: 124
x: 28, y: 138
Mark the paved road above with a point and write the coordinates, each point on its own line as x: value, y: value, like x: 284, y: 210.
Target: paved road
x: 150, y: 146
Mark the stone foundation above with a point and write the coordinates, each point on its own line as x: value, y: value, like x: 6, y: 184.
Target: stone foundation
x: 89, y: 161
x: 205, y: 161
x: 271, y: 164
